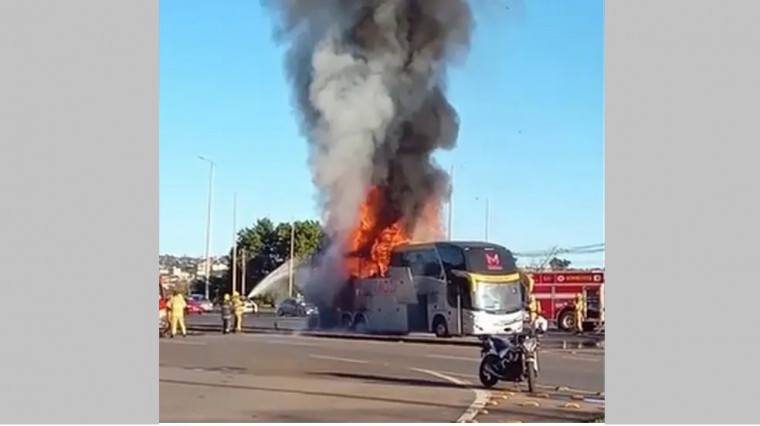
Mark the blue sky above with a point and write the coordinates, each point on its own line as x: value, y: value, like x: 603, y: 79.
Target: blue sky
x: 530, y: 99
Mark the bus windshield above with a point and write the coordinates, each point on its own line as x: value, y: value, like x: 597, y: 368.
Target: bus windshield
x: 502, y: 298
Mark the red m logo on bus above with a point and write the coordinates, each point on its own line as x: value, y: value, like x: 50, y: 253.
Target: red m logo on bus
x: 492, y: 260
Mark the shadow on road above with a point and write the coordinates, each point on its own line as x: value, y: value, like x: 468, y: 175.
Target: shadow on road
x: 303, y: 392
x: 538, y: 415
x: 367, y: 378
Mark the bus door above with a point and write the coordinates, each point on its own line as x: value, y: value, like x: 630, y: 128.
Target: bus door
x: 418, y: 314
x: 458, y: 290
x: 425, y: 267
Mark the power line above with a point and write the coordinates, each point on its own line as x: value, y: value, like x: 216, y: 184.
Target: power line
x: 585, y: 249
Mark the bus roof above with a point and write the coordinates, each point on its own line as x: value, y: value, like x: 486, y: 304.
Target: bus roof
x: 477, y: 256
x: 460, y: 244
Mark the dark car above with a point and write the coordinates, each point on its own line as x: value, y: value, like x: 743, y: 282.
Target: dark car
x: 295, y: 308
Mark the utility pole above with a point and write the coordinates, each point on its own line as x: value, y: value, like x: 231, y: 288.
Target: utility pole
x: 234, y: 241
x: 208, y: 220
x: 244, y: 256
x: 290, y: 267
x: 449, y: 232
x: 451, y: 202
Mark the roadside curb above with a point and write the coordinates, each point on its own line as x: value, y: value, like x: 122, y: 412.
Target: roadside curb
x: 518, y: 406
x: 370, y: 337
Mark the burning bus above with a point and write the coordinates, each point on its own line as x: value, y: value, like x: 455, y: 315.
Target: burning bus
x: 445, y: 287
x: 369, y: 85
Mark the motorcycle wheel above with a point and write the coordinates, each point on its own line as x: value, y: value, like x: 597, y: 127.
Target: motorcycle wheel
x: 531, y: 373
x: 487, y: 379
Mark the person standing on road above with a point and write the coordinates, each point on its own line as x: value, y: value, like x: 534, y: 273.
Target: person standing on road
x: 580, y: 312
x: 226, y: 314
x: 177, y: 306
x: 238, y: 308
x: 534, y: 309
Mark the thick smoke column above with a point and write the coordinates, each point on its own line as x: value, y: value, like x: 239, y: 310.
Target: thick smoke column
x: 368, y: 79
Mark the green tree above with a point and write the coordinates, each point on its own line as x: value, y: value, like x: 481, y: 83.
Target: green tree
x: 307, y: 238
x: 265, y: 246
x: 557, y: 264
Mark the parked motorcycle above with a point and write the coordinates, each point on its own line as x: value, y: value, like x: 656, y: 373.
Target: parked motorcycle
x: 511, y: 358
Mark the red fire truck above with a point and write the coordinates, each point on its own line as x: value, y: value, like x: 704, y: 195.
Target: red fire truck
x: 163, y: 323
x: 555, y: 292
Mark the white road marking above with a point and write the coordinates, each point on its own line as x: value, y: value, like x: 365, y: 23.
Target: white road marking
x: 542, y: 386
x: 456, y: 358
x: 598, y: 352
x: 183, y: 342
x: 333, y: 358
x: 481, y: 396
x: 581, y: 358
x: 450, y: 373
x: 285, y: 342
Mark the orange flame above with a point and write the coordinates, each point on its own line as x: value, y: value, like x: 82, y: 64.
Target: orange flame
x: 372, y: 241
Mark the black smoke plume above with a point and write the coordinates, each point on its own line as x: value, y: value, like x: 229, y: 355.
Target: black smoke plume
x: 368, y: 81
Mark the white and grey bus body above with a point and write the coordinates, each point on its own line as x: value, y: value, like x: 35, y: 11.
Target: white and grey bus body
x: 402, y: 303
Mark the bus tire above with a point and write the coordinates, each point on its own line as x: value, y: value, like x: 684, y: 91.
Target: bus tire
x: 566, y: 320
x: 312, y: 323
x: 345, y: 322
x: 360, y: 324
x: 440, y: 328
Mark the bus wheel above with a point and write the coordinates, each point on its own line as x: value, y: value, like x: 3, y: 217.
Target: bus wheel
x: 360, y: 325
x: 440, y: 328
x: 566, y: 320
x: 345, y: 322
x: 312, y: 323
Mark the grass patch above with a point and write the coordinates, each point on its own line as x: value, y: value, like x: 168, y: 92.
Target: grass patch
x: 599, y: 419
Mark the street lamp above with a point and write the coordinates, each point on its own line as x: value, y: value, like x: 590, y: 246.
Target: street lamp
x: 451, y: 201
x: 292, y: 249
x: 208, y: 220
x: 234, y: 242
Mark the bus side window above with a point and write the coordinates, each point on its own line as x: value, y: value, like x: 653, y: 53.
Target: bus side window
x: 398, y: 260
x: 432, y: 264
x: 451, y: 258
x: 413, y: 261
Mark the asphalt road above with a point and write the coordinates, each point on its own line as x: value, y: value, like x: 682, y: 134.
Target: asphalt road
x: 278, y: 378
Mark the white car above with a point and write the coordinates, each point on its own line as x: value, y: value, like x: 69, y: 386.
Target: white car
x: 250, y: 307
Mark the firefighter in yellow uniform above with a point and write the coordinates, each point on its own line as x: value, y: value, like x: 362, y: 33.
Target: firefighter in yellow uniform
x: 238, y: 308
x: 534, y: 309
x: 177, y: 306
x: 531, y: 284
x: 580, y: 312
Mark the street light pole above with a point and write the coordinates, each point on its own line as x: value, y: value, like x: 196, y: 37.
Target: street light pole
x: 451, y: 202
x: 290, y: 267
x: 243, y: 275
x: 208, y: 220
x: 234, y: 242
